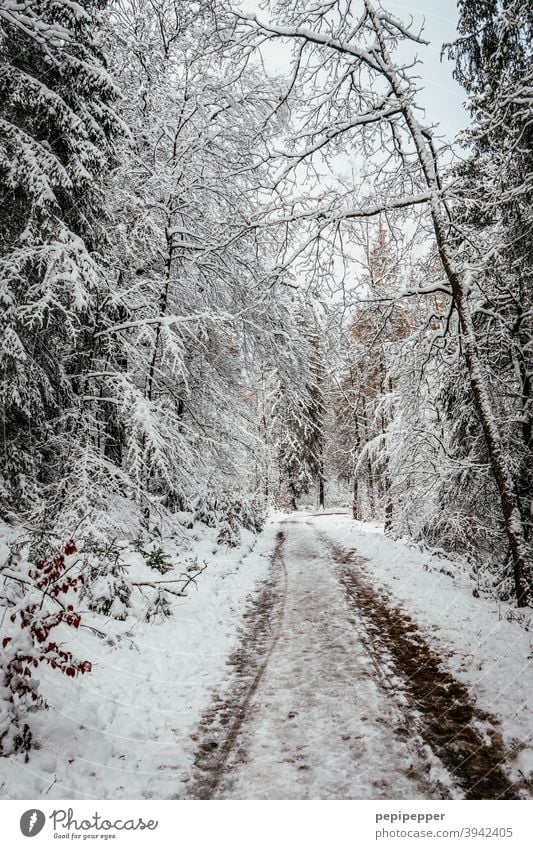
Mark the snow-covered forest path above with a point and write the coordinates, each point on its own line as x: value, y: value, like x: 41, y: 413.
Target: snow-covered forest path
x: 335, y: 693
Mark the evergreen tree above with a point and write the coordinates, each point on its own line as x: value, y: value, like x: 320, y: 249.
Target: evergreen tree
x: 57, y: 133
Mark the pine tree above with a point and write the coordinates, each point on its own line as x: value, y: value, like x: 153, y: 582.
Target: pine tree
x: 57, y: 133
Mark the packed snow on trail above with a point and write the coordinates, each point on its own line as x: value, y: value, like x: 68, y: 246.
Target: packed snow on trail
x: 286, y: 674
x: 374, y: 694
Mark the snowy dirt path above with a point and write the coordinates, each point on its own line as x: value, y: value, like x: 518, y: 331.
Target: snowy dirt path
x: 336, y: 694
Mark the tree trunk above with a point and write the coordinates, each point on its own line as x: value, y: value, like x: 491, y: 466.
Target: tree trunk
x: 388, y: 507
x: 441, y: 219
x: 509, y: 501
x: 355, y: 502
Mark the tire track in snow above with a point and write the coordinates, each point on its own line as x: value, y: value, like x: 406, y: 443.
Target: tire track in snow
x: 309, y: 721
x: 440, y: 707
x: 221, y: 725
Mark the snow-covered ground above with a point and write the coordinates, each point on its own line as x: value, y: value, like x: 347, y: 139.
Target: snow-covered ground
x: 123, y: 731
x: 479, y: 638
x: 318, y: 721
x: 319, y: 726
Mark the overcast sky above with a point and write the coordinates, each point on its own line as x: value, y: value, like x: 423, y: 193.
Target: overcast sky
x: 442, y: 97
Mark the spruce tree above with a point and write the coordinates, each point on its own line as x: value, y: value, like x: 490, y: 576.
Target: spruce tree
x: 57, y: 133
x: 298, y: 420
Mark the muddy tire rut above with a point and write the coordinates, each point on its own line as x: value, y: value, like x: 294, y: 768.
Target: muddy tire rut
x: 464, y: 738
x: 422, y: 704
x: 221, y: 747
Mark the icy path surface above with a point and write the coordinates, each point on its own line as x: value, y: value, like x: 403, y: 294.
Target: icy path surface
x: 320, y: 727
x: 319, y: 660
x: 337, y: 693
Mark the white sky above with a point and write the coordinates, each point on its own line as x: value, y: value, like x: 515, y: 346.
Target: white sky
x: 441, y: 97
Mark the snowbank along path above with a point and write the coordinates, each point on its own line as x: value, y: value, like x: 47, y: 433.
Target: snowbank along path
x: 336, y: 693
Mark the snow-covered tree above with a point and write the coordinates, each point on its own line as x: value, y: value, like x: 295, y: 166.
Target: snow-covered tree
x: 349, y: 92
x: 494, y: 60
x: 58, y: 130
x: 363, y: 400
x: 296, y: 412
x: 195, y: 289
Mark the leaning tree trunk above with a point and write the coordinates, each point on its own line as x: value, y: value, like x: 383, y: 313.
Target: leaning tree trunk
x: 509, y: 501
x: 510, y: 504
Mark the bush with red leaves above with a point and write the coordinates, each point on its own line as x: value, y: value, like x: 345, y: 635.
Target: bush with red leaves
x: 29, y: 644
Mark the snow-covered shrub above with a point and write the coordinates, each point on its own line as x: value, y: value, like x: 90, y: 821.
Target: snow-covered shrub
x: 229, y: 513
x: 158, y: 607
x: 237, y: 513
x: 158, y: 595
x: 204, y: 510
x: 228, y: 533
x: 250, y: 514
x: 157, y: 558
x: 107, y: 588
